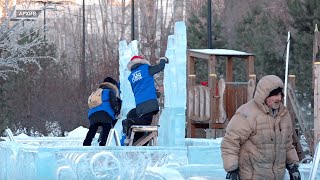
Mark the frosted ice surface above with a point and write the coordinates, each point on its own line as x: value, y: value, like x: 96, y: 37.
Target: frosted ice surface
x: 126, y: 51
x: 21, y: 161
x: 172, y: 119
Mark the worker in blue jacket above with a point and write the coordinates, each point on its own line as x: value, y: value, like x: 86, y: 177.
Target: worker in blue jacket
x: 104, y: 114
x: 144, y: 90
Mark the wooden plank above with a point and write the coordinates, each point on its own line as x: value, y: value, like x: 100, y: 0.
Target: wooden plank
x: 238, y: 95
x: 191, y: 102
x: 296, y: 107
x: 316, y: 53
x: 208, y: 103
x: 202, y: 101
x: 200, y: 55
x: 229, y: 105
x: 213, y: 100
x: 250, y: 66
x: 191, y: 80
x: 316, y: 111
x: 212, y: 84
x: 295, y: 137
x: 199, y: 103
x: 141, y: 128
x: 229, y: 68
x: 191, y: 65
x: 212, y: 77
x: 196, y: 103
x: 193, y: 130
x: 222, y: 112
x: 229, y: 89
x: 251, y: 87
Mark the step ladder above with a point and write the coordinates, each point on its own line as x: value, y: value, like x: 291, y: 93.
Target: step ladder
x: 113, y: 135
x: 10, y: 135
x: 150, y: 137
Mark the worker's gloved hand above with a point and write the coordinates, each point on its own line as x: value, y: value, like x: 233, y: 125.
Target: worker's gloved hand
x: 233, y: 175
x: 293, y: 170
x: 165, y: 59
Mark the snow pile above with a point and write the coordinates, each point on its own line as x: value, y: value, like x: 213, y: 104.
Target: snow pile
x: 79, y: 132
x: 22, y: 136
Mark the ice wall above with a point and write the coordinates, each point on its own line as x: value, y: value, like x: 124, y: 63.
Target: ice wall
x: 126, y: 51
x: 56, y: 162
x: 172, y: 119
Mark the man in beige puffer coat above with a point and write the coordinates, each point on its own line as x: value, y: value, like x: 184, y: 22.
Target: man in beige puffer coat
x: 258, y: 140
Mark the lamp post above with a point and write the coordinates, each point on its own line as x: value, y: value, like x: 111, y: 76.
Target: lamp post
x: 45, y: 3
x: 132, y: 20
x: 83, y: 73
x: 209, y: 25
x: 83, y: 31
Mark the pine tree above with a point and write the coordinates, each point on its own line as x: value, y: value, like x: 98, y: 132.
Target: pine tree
x: 197, y: 37
x: 256, y: 34
x: 305, y: 14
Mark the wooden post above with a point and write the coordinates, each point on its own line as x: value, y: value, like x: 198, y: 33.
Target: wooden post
x: 252, y: 79
x: 315, y: 85
x: 212, y: 84
x: 212, y: 70
x: 251, y: 86
x: 190, y: 83
x: 213, y: 97
x: 292, y: 81
x: 191, y: 71
x: 229, y: 78
x: 250, y: 66
x: 316, y: 49
x: 296, y: 142
x: 316, y: 112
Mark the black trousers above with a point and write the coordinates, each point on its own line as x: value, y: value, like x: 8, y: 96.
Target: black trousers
x: 93, y: 130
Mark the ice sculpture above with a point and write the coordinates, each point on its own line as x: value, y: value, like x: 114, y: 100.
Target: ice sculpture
x: 125, y: 53
x: 172, y: 119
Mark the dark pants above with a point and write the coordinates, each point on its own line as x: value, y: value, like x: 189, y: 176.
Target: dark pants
x: 133, y: 119
x: 93, y: 130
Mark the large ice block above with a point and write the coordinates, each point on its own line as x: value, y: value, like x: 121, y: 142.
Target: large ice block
x: 126, y: 51
x: 173, y: 119
x: 22, y: 161
x: 65, y: 158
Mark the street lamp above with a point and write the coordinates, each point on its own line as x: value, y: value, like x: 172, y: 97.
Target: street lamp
x: 83, y: 31
x: 83, y: 73
x: 45, y: 3
x: 209, y: 25
x: 132, y: 20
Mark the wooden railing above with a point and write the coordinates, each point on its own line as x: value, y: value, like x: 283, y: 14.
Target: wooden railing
x: 210, y: 109
x: 199, y: 104
x: 299, y: 115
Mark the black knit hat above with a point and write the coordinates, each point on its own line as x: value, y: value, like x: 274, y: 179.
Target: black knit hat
x: 110, y: 80
x: 276, y: 92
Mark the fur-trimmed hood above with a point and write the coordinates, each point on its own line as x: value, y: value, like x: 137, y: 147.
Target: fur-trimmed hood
x: 111, y: 86
x: 136, y: 61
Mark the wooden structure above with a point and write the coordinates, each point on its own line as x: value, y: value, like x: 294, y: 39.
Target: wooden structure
x: 150, y: 137
x: 295, y: 113
x: 207, y: 107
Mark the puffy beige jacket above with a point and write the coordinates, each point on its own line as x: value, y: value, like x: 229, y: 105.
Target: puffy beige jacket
x: 255, y: 141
